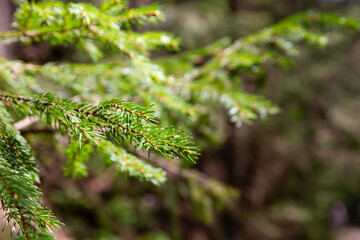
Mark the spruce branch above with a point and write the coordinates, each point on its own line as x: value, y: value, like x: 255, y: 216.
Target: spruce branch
x: 217, y: 76
x: 186, y: 89
x: 83, y: 25
x: 131, y: 165
x: 134, y: 124
x: 20, y: 198
x: 141, y: 14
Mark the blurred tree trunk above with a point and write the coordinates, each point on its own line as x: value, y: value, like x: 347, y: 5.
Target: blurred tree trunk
x: 6, y: 12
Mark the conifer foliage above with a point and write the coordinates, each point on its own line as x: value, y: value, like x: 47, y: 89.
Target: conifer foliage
x: 82, y: 102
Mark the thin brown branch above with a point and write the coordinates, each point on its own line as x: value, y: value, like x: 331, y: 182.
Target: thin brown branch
x: 174, y: 169
x: 40, y: 32
x: 95, y: 114
x: 139, y: 15
x: 130, y: 111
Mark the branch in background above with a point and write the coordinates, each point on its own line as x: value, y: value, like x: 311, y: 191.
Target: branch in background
x: 26, y: 122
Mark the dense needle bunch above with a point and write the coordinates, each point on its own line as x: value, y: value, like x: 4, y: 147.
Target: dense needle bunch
x: 20, y: 198
x: 187, y: 91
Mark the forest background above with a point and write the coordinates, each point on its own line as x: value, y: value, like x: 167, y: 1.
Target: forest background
x: 297, y: 172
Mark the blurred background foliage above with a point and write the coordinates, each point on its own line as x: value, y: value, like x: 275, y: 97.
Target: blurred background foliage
x: 298, y: 171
